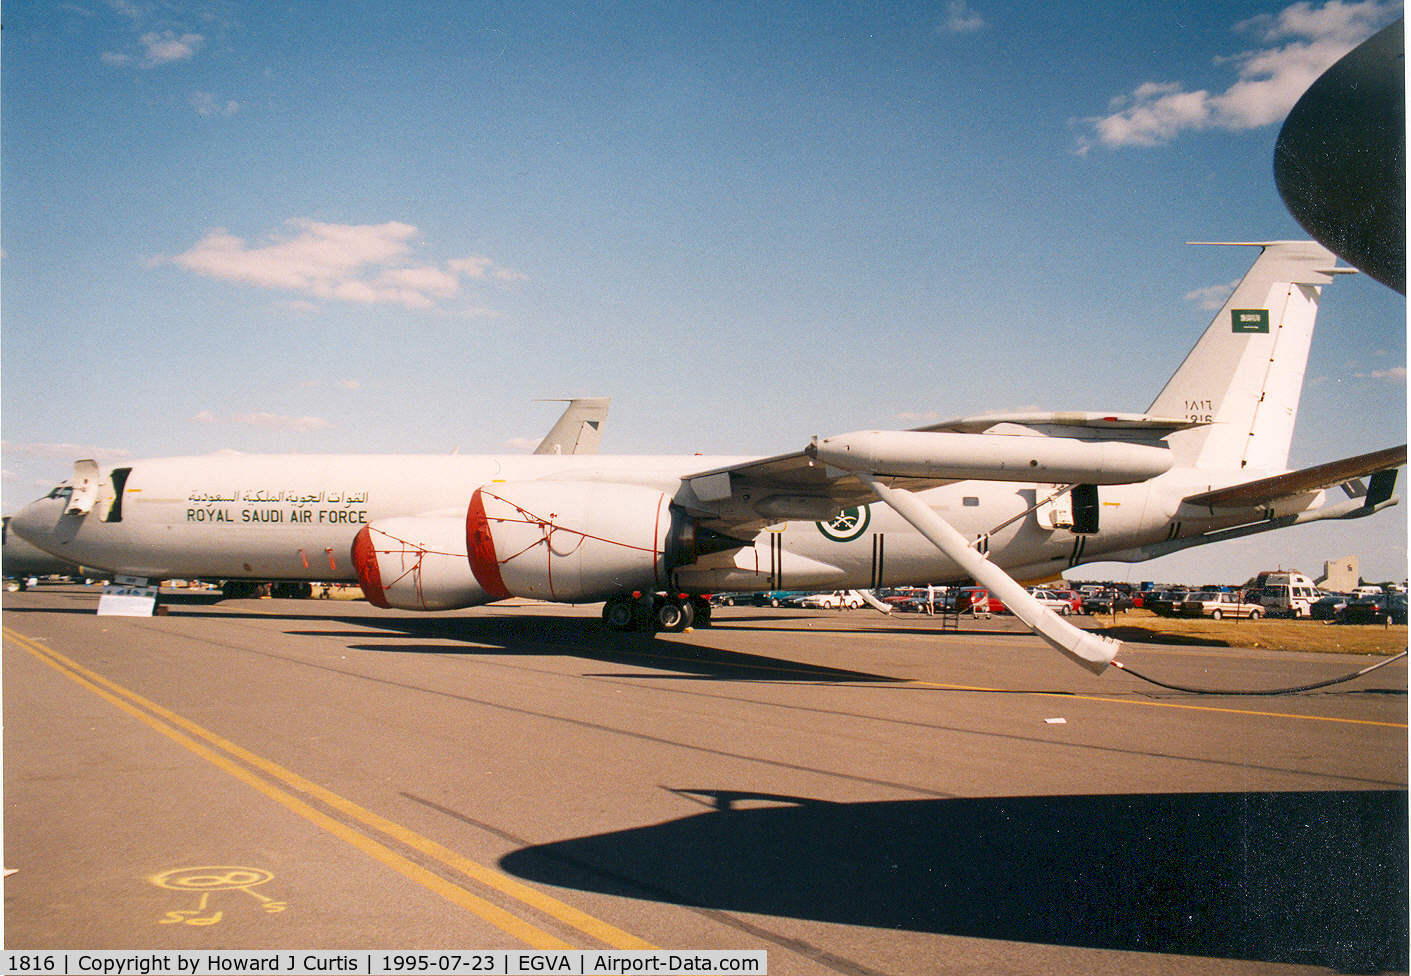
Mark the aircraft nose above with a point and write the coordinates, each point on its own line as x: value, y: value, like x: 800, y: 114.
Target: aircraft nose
x: 37, y: 522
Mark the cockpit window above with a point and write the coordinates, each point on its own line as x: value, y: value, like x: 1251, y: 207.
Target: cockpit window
x: 62, y: 491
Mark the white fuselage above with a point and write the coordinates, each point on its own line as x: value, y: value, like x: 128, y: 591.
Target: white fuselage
x: 294, y: 517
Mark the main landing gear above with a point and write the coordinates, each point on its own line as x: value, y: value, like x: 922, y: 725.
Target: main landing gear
x: 653, y: 612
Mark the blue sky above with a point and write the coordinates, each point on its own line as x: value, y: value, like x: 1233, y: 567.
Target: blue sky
x: 392, y: 227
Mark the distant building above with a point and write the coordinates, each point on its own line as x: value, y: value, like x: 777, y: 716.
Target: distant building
x: 1340, y: 575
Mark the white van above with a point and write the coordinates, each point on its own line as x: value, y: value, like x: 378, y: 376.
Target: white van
x: 1283, y: 594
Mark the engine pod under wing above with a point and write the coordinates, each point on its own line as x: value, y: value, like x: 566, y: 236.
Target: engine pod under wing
x: 416, y: 564
x: 569, y: 541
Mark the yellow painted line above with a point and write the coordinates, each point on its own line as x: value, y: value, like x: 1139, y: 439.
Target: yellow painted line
x: 163, y: 720
x: 1155, y: 704
x: 918, y: 683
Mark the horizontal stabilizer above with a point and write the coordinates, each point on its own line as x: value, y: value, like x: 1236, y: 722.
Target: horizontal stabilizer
x: 1252, y: 494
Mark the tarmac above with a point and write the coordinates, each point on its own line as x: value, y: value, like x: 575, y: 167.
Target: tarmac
x: 854, y: 793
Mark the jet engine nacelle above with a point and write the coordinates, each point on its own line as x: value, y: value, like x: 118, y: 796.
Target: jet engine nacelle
x: 572, y: 541
x: 416, y: 564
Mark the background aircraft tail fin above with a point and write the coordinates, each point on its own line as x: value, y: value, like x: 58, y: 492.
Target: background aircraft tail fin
x: 1244, y: 377
x: 580, y: 428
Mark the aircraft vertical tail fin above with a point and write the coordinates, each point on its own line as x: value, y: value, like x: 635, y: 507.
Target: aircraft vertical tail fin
x: 1244, y: 377
x: 580, y: 428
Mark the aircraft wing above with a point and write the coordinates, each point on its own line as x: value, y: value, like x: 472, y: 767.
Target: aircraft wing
x: 817, y: 483
x: 761, y: 492
x: 1252, y: 494
x: 836, y: 473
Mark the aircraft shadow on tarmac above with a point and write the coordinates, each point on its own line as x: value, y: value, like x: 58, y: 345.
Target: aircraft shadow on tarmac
x: 584, y: 638
x: 1299, y: 877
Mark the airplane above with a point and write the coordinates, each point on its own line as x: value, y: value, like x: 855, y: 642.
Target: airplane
x: 577, y: 431
x: 19, y: 560
x: 992, y: 498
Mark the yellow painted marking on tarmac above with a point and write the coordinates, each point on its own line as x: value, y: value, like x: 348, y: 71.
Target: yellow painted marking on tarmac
x: 214, y: 878
x: 918, y: 683
x: 501, y: 919
x: 170, y: 724
x: 1155, y: 704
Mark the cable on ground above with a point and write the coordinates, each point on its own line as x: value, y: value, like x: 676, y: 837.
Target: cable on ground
x: 1262, y: 691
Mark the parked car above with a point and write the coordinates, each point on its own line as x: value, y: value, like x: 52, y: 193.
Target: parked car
x: 1053, y: 599
x: 973, y: 599
x: 1382, y: 609
x: 1162, y: 602
x: 1329, y: 606
x: 781, y: 598
x: 1108, y: 601
x: 769, y: 598
x: 837, y: 600
x: 901, y: 597
x: 1396, y: 607
x: 1217, y: 606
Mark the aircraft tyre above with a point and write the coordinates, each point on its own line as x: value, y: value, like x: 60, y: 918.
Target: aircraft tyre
x: 620, y: 613
x: 672, y: 615
x: 703, y: 610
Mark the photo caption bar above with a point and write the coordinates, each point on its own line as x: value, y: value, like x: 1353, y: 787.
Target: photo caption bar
x: 389, y: 962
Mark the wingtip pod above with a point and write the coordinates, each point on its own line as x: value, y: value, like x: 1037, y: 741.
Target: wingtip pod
x: 993, y: 457
x: 1095, y: 652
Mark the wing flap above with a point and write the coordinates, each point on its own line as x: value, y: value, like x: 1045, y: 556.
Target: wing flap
x: 1252, y: 494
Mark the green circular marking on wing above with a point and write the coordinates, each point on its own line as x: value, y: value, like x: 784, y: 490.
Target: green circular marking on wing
x: 849, y: 524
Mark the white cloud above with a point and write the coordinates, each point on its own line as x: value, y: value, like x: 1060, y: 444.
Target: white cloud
x: 480, y: 267
x: 1302, y: 42
x: 432, y: 281
x: 164, y: 47
x: 271, y: 421
x: 1397, y: 374
x: 339, y: 384
x: 129, y: 10
x: 156, y: 49
x: 360, y: 263
x: 209, y: 106
x: 960, y: 19
x: 60, y: 450
x: 1211, y: 297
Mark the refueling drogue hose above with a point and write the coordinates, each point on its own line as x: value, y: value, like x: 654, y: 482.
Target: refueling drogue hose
x: 1263, y: 691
